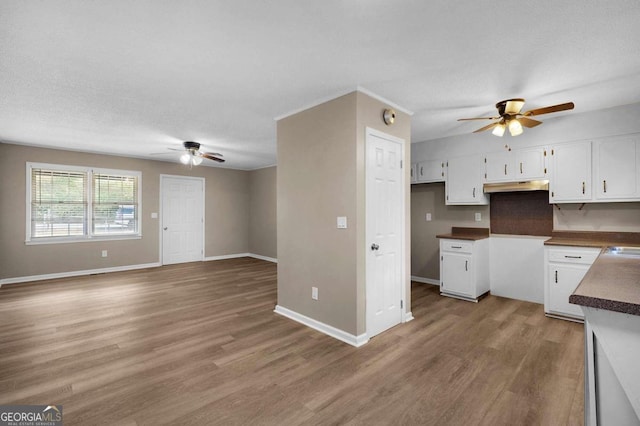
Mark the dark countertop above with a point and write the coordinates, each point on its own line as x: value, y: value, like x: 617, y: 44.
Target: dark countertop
x: 612, y: 283
x: 471, y: 234
x: 593, y: 239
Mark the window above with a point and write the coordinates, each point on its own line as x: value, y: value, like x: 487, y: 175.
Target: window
x: 68, y: 203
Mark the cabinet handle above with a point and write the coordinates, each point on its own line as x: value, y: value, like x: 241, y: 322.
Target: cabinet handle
x: 604, y: 185
x: 456, y: 246
x: 505, y: 169
x: 572, y: 257
x: 583, y: 187
x: 474, y: 193
x: 466, y: 265
x: 421, y: 171
x: 556, y: 277
x: 520, y: 167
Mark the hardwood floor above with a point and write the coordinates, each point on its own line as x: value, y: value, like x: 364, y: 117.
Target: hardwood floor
x: 199, y: 344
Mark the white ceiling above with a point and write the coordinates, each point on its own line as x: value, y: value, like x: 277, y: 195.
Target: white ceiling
x: 136, y: 77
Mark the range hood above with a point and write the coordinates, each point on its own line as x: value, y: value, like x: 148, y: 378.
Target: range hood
x: 534, y: 185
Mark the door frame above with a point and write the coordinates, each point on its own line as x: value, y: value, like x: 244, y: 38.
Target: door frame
x: 404, y: 317
x: 161, y: 215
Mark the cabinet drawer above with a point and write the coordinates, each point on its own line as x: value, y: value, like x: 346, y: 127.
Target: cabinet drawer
x: 574, y: 256
x: 457, y: 246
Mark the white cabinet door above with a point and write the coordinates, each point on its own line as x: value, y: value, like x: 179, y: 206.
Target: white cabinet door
x: 565, y: 266
x: 518, y: 165
x: 430, y: 171
x: 456, y: 274
x: 563, y: 280
x: 464, y: 180
x: 499, y: 166
x: 530, y: 164
x: 617, y: 168
x: 414, y: 173
x: 570, y: 179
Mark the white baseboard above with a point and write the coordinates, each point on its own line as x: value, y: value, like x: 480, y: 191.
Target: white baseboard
x: 408, y: 316
x: 70, y: 274
x: 261, y: 257
x: 237, y: 255
x: 227, y: 256
x: 43, y: 277
x: 343, y: 336
x: 425, y: 280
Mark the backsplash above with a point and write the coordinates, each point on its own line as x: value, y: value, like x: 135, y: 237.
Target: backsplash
x: 521, y: 213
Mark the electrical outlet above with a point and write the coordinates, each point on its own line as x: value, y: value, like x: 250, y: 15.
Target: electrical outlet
x: 478, y: 216
x: 104, y: 253
x: 314, y: 293
x: 428, y: 217
x: 341, y: 222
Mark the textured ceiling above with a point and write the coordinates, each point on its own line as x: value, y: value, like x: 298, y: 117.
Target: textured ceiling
x: 137, y: 77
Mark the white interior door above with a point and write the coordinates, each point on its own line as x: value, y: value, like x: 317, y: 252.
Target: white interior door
x: 182, y: 219
x: 384, y: 232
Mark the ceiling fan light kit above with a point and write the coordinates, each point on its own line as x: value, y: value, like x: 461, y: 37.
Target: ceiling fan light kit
x: 515, y: 128
x: 194, y: 157
x: 499, y: 130
x: 190, y: 158
x: 510, y: 117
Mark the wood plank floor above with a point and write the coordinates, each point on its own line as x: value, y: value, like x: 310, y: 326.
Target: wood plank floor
x: 199, y: 344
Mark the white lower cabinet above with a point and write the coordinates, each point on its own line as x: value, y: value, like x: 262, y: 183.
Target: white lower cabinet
x: 565, y: 266
x: 464, y: 268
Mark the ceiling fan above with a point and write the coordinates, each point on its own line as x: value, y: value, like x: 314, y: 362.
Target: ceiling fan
x: 194, y: 157
x: 510, y: 116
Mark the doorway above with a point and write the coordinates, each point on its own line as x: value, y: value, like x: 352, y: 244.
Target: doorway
x: 182, y: 219
x: 385, y: 229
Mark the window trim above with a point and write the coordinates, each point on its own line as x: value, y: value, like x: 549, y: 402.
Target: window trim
x: 90, y: 171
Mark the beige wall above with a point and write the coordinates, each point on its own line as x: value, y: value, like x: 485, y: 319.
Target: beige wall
x: 425, y: 250
x: 262, y: 212
x: 321, y: 176
x: 227, y: 214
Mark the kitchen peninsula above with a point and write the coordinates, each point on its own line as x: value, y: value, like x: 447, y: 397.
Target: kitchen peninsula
x: 609, y: 295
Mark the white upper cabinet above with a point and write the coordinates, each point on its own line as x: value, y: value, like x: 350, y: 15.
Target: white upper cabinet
x: 519, y: 165
x: 570, y: 180
x: 499, y: 166
x: 464, y: 180
x: 616, y: 168
x: 530, y: 164
x: 430, y: 171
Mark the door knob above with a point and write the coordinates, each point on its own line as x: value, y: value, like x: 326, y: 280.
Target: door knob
x: 374, y: 246
x: 165, y: 228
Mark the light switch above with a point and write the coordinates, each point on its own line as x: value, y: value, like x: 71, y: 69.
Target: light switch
x: 342, y: 222
x: 154, y: 215
x: 428, y: 217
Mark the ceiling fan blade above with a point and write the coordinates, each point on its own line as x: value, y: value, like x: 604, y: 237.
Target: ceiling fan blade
x: 529, y: 122
x: 550, y: 109
x: 513, y: 106
x: 211, y: 157
x: 478, y: 118
x: 488, y: 127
